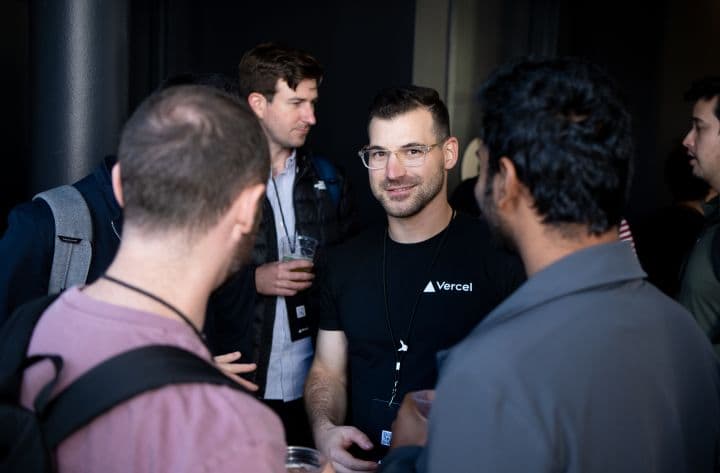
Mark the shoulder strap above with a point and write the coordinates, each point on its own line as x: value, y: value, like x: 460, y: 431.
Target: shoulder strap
x: 14, y: 340
x: 119, y: 379
x: 327, y: 172
x: 73, y: 237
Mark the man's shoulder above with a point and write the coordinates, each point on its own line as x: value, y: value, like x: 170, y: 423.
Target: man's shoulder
x: 191, y: 427
x: 212, y: 416
x: 34, y: 213
x: 215, y: 408
x: 369, y: 240
x: 471, y: 227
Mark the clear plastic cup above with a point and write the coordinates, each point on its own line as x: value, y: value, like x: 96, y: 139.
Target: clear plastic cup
x: 304, y: 460
x: 298, y: 247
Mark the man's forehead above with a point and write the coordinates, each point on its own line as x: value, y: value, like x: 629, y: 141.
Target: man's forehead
x: 413, y: 127
x: 305, y: 88
x: 705, y: 107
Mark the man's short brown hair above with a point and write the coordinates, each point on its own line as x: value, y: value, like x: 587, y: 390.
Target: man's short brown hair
x: 185, y: 154
x: 262, y: 66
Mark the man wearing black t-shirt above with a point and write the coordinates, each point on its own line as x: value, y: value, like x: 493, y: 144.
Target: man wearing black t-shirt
x: 394, y: 296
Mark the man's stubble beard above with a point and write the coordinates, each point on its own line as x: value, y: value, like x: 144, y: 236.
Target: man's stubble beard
x: 425, y: 194
x: 498, y: 229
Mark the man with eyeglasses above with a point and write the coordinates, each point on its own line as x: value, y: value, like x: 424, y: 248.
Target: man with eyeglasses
x: 394, y: 296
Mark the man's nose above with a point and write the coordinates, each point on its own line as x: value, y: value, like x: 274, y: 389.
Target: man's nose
x: 394, y: 167
x: 309, y: 114
x: 689, y: 139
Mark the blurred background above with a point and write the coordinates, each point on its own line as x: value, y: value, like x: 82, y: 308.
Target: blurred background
x: 75, y: 69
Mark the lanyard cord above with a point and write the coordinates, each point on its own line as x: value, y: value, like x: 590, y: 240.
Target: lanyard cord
x: 399, y: 358
x: 291, y: 241
x: 152, y: 296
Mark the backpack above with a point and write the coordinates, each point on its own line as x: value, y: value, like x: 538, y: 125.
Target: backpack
x: 328, y: 178
x: 73, y: 237
x: 28, y: 438
x: 74, y: 231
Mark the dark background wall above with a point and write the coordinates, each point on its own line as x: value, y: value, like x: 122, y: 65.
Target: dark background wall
x: 360, y: 49
x: 652, y: 50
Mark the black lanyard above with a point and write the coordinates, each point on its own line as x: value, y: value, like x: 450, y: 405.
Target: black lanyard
x: 401, y: 352
x: 291, y: 242
x: 152, y: 296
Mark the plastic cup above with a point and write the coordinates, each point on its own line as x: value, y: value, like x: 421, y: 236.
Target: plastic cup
x: 304, y: 460
x: 298, y: 247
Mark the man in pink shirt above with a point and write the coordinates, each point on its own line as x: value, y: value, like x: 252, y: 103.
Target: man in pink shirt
x: 190, y: 176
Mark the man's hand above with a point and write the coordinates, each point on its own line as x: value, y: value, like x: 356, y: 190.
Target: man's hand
x: 284, y: 278
x: 410, y: 426
x: 226, y: 363
x: 334, y: 442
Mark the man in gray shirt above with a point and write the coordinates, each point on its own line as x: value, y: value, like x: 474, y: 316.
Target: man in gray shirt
x: 586, y: 367
x: 700, y: 288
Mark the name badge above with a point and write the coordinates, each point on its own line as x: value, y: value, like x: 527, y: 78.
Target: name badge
x: 298, y: 317
x: 385, y: 438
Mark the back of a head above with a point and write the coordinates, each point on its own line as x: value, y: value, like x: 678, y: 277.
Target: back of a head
x: 394, y: 101
x: 705, y: 88
x: 261, y: 67
x: 185, y: 155
x: 563, y: 125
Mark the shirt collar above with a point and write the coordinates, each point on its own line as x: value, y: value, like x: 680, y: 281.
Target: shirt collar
x: 582, y: 270
x: 711, y: 209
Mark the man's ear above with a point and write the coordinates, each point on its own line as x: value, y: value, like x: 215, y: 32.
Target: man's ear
x: 245, y: 210
x: 117, y: 184
x: 258, y: 103
x: 507, y: 186
x: 450, y: 152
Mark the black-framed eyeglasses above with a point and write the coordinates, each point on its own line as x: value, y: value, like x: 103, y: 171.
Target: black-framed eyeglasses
x: 411, y: 156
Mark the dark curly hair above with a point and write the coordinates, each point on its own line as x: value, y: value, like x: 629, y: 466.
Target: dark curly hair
x: 564, y: 127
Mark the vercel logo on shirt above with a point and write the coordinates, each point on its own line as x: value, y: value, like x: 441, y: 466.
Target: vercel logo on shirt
x: 444, y: 286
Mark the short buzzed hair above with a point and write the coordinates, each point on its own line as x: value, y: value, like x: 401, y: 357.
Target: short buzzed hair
x: 262, y: 66
x: 394, y: 101
x: 185, y: 154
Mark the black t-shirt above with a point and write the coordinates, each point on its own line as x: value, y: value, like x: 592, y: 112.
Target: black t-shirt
x: 470, y: 276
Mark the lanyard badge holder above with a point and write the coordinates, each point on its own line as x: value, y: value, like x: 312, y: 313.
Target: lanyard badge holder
x: 391, y: 406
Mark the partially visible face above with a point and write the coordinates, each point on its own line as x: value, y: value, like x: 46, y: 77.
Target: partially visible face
x: 244, y: 249
x: 406, y: 191
x: 485, y: 196
x: 703, y: 142
x: 290, y: 115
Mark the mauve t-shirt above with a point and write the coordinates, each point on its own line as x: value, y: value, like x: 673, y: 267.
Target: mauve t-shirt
x: 182, y: 428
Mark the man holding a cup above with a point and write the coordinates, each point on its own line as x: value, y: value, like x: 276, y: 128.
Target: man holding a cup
x: 264, y: 313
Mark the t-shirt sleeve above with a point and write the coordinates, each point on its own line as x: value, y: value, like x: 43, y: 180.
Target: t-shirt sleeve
x: 238, y: 434
x: 323, y: 294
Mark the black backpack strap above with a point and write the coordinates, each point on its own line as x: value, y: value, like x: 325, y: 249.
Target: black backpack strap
x: 119, y: 379
x: 14, y: 340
